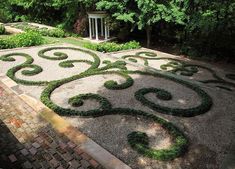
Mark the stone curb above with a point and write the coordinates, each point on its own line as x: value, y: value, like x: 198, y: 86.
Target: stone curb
x: 102, y: 156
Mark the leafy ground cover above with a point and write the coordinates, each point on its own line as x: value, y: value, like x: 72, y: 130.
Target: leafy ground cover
x: 44, y: 31
x: 179, y: 66
x: 29, y: 38
x: 9, y: 41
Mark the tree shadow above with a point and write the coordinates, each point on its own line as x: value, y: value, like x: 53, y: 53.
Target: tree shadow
x: 110, y: 131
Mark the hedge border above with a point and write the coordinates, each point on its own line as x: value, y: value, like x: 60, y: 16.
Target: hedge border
x: 181, y: 67
x: 27, y: 64
x: 181, y: 142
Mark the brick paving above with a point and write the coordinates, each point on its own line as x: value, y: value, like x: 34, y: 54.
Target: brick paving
x: 28, y: 141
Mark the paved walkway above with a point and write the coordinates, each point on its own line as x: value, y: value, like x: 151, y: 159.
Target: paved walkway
x: 28, y: 141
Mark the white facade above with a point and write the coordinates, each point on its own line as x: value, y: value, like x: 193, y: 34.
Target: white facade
x: 98, y: 27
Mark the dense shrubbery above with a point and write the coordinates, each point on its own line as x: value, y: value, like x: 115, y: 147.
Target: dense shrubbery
x: 59, y: 33
x: 2, y: 29
x: 29, y: 38
x: 199, y: 28
x: 44, y: 31
x: 112, y: 46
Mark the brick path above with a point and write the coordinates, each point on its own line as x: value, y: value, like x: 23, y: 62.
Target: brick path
x: 28, y: 141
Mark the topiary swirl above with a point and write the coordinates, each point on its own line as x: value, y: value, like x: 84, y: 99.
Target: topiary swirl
x: 180, y: 67
x: 137, y: 140
x: 27, y: 64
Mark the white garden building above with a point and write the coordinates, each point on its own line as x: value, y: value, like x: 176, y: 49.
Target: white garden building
x: 98, y: 27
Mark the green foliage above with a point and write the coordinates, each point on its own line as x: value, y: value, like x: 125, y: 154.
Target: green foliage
x: 77, y: 101
x: 144, y: 14
x: 35, y: 69
x: 179, y: 67
x: 54, y: 12
x: 44, y: 31
x: 210, y: 29
x: 112, y: 47
x: 140, y: 142
x: 69, y: 63
x: 165, y: 95
x: 59, y: 33
x: 202, y: 28
x: 2, y: 29
x: 132, y: 60
x: 5, y: 11
x: 29, y: 38
x: 151, y: 12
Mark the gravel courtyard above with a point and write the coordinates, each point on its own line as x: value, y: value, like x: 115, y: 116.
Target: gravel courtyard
x: 200, y: 100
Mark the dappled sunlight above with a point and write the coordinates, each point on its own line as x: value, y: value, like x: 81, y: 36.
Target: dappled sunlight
x: 142, y: 161
x: 181, y: 101
x: 28, y: 139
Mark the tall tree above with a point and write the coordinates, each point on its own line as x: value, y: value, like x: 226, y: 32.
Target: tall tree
x: 145, y: 13
x: 210, y: 28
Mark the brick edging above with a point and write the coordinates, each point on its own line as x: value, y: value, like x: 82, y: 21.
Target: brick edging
x: 98, y: 153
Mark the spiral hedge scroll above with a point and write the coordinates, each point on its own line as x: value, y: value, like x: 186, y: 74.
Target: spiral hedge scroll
x: 177, y: 66
x: 137, y: 140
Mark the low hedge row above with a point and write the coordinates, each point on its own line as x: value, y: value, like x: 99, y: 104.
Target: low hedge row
x: 44, y: 31
x: 112, y: 46
x: 182, y: 68
x: 69, y: 63
x: 78, y: 100
x: 58, y: 33
x: 26, y: 39
x: 178, y: 148
x: 138, y: 141
x: 35, y: 69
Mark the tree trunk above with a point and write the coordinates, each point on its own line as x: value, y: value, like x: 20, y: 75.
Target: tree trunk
x: 148, y: 32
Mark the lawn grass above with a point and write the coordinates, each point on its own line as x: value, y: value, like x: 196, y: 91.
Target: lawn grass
x: 105, y: 47
x: 4, y: 36
x: 53, y: 40
x: 70, y: 40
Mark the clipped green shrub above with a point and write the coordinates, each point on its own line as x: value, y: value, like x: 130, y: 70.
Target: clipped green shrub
x: 29, y: 38
x: 58, y: 33
x: 112, y: 46
x: 131, y: 45
x: 2, y: 29
x: 44, y: 31
x: 4, y: 44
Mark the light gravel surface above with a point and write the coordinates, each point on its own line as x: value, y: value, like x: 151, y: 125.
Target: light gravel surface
x: 210, y: 134
x: 201, y: 75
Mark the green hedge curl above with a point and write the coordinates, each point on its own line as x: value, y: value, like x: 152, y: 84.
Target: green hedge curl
x: 77, y: 101
x: 230, y: 76
x: 139, y: 141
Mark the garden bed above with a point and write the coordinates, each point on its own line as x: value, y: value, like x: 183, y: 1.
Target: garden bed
x: 44, y: 30
x: 109, y: 100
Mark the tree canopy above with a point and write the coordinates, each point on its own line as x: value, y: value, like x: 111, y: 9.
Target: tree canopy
x: 200, y: 27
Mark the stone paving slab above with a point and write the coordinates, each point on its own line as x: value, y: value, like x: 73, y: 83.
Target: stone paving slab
x: 28, y: 141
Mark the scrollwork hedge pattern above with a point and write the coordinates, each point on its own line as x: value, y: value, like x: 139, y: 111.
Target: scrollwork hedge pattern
x: 177, y: 66
x: 137, y: 140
